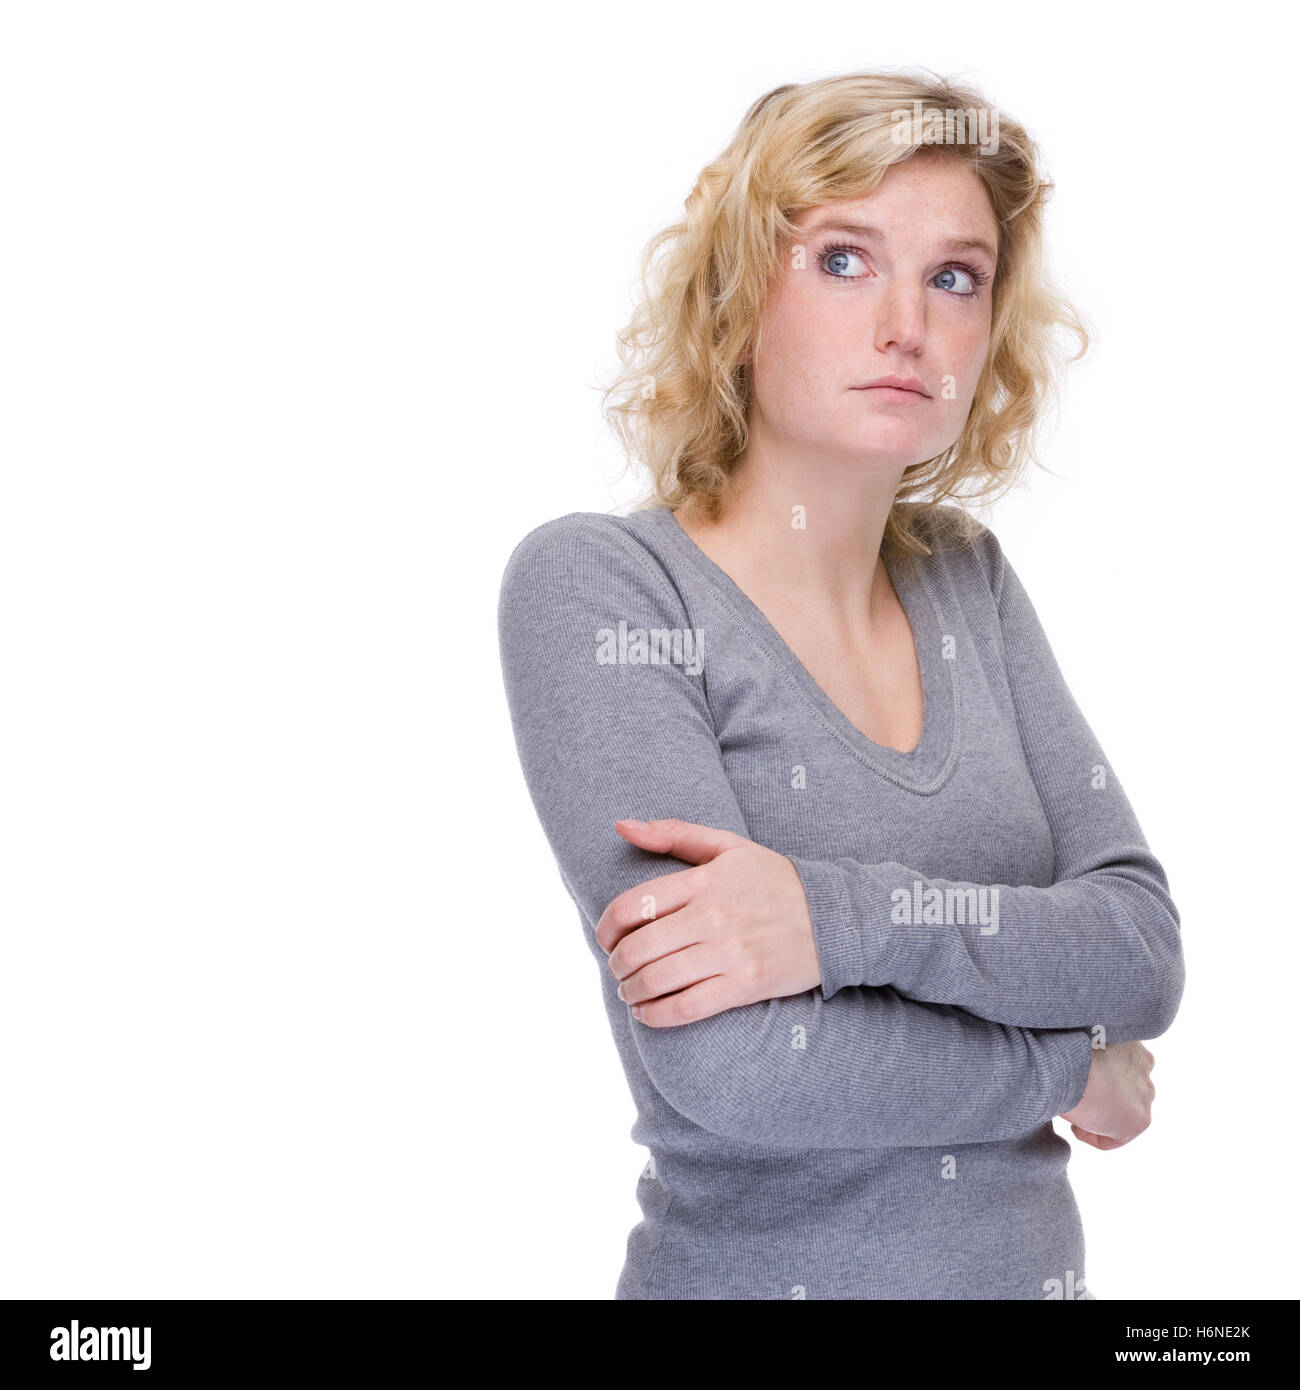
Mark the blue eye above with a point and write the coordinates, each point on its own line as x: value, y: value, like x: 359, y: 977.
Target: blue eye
x: 957, y: 270
x: 835, y: 263
x: 973, y: 273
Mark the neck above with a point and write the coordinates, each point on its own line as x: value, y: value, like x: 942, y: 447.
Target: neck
x: 809, y: 528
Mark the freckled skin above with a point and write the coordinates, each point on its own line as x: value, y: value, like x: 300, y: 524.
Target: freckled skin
x: 841, y: 453
x: 820, y: 336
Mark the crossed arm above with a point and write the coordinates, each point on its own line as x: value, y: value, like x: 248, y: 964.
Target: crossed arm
x: 923, y: 1039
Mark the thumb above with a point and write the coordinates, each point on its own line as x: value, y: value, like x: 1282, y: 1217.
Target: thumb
x: 696, y: 844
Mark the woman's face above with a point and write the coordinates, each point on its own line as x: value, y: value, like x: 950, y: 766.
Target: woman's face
x: 907, y: 300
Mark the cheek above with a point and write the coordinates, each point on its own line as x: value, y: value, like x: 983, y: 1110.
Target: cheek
x: 972, y: 351
x: 959, y: 361
x: 808, y: 344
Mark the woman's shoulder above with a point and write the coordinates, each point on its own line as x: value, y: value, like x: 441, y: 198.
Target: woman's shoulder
x: 960, y: 544
x: 573, y: 528
x: 593, y: 553
x: 575, y: 534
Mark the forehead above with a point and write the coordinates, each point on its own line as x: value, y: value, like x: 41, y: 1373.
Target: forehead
x: 943, y: 199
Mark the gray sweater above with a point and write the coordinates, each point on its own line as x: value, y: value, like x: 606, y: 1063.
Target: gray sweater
x: 985, y: 909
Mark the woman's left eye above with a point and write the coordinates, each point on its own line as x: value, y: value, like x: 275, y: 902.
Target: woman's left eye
x: 969, y: 273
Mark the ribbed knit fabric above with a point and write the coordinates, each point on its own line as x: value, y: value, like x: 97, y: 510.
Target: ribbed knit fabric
x: 889, y: 1134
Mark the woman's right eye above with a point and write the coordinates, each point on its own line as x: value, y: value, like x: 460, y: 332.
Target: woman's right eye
x: 835, y: 261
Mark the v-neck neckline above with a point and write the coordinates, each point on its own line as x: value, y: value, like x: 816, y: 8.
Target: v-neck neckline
x: 924, y: 768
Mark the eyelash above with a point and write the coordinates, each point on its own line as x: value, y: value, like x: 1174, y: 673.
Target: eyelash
x: 980, y: 277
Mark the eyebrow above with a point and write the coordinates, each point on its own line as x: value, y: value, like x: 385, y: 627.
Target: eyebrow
x: 875, y: 234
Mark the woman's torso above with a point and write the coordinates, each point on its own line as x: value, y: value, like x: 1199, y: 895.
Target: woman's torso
x: 995, y: 1220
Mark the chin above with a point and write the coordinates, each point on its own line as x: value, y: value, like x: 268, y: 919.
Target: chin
x: 889, y: 449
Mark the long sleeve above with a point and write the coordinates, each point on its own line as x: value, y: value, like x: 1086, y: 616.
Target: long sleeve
x: 1100, y: 946
x: 605, y: 739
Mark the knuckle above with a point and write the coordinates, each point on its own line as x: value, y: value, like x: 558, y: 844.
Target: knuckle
x: 691, y: 1010
x: 616, y: 910
x: 670, y: 1012
x: 713, y: 918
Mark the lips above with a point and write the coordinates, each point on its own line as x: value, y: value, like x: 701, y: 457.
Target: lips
x: 895, y: 383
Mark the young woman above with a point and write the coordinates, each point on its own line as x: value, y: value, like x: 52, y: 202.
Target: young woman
x: 869, y: 905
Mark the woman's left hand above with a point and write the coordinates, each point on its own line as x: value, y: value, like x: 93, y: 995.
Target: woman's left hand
x: 731, y: 931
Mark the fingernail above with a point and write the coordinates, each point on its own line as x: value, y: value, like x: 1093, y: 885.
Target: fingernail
x: 635, y: 824
x: 621, y: 995
x: 636, y: 1011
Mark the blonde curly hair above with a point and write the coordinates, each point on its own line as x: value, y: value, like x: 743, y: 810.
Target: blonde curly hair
x: 680, y: 402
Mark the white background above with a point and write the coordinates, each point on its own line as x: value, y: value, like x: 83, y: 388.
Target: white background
x: 304, y: 313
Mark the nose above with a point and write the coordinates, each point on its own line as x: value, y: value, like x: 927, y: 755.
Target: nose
x: 900, y: 317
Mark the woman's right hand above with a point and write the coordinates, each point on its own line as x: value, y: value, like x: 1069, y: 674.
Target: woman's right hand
x: 1116, y: 1103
